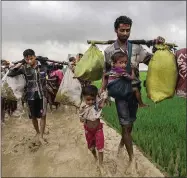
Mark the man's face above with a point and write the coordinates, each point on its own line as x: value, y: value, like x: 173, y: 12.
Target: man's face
x: 123, y: 32
x: 30, y: 60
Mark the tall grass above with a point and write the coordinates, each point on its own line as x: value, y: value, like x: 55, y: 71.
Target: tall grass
x: 160, y: 131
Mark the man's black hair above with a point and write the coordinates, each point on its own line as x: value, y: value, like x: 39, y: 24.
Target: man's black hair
x: 118, y: 55
x: 122, y: 20
x: 71, y: 59
x: 90, y: 90
x: 28, y: 52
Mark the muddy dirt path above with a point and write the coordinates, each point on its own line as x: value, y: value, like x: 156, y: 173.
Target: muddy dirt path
x: 66, y: 153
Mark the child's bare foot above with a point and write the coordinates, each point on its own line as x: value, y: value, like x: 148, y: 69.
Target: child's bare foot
x: 143, y: 105
x: 100, y: 167
x: 103, y: 171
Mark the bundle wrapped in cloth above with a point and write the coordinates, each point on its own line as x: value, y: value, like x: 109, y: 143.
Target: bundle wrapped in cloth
x: 162, y: 74
x: 90, y: 67
x: 181, y: 57
x: 12, y: 88
x: 69, y: 92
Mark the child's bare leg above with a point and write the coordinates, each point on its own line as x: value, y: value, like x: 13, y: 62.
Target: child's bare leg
x: 94, y: 153
x: 139, y: 98
x: 101, y: 167
x: 100, y: 155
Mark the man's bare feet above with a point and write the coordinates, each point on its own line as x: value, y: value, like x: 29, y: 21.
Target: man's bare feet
x: 132, y: 167
x: 36, y: 137
x: 36, y: 140
x: 143, y: 105
x: 43, y: 141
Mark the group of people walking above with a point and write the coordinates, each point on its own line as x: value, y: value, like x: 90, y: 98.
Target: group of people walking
x: 121, y: 59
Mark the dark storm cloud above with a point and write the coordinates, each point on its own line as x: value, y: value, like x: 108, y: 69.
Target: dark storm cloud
x: 57, y: 28
x: 35, y: 23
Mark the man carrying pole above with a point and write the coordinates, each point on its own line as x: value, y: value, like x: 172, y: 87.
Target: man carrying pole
x: 126, y: 110
x: 35, y: 75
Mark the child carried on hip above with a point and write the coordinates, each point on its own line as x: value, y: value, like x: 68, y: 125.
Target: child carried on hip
x: 118, y: 70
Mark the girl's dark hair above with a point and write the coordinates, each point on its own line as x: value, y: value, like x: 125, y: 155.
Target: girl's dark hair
x: 90, y: 90
x: 116, y: 56
x: 122, y: 20
x: 28, y: 52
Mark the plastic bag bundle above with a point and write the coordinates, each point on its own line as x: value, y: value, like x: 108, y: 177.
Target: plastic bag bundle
x: 90, y: 67
x: 181, y: 57
x: 13, y: 87
x: 69, y: 92
x: 162, y: 75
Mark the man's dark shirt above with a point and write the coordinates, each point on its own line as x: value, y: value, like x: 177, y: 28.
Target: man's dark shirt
x: 35, y: 79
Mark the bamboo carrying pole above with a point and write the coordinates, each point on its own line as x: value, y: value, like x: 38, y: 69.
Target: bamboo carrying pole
x: 148, y: 43
x: 44, y: 60
x: 63, y: 62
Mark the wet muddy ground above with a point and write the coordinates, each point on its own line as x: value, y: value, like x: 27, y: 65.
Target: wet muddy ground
x: 66, y: 153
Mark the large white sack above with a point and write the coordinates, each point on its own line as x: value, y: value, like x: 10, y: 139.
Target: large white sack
x: 69, y: 92
x: 13, y: 87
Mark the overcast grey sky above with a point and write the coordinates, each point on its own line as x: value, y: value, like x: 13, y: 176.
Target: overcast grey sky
x: 54, y: 29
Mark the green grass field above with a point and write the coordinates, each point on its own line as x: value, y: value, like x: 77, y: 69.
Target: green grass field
x: 159, y: 131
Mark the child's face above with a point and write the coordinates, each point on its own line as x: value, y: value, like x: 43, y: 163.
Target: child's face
x: 121, y: 62
x: 90, y: 100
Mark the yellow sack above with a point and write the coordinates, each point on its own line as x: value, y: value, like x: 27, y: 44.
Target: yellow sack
x: 162, y: 75
x: 90, y: 67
